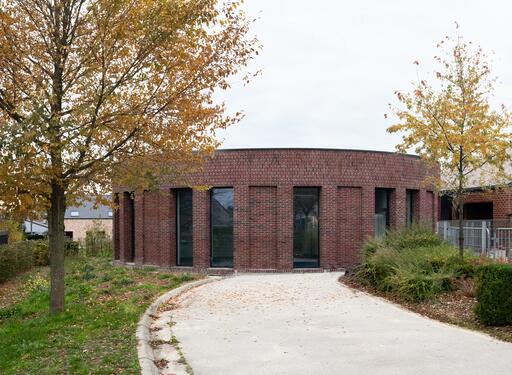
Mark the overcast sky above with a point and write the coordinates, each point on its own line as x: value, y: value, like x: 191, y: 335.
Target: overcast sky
x: 330, y: 67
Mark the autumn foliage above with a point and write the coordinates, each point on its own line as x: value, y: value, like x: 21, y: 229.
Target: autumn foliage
x: 93, y: 91
x: 450, y: 122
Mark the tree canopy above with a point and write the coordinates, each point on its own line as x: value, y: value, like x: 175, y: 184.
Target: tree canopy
x: 451, y: 123
x: 95, y: 91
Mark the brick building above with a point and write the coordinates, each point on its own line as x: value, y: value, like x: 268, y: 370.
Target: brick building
x: 273, y: 209
x: 491, y: 203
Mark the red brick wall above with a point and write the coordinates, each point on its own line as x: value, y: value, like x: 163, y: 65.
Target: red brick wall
x: 115, y: 228
x: 501, y: 200
x: 262, y: 227
x: 125, y: 215
x: 263, y: 182
x: 349, y: 224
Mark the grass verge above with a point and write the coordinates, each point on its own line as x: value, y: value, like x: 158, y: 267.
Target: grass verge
x: 96, y: 333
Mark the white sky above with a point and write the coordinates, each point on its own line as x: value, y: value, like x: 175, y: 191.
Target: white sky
x: 330, y: 67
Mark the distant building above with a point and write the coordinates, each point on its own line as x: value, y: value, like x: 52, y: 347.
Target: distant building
x: 78, y: 220
x: 490, y: 203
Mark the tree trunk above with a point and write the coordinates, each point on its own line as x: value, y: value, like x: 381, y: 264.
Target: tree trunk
x: 461, y: 228
x: 56, y: 247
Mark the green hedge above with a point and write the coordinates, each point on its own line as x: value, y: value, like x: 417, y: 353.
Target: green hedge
x: 494, y: 294
x: 19, y: 256
x: 15, y: 258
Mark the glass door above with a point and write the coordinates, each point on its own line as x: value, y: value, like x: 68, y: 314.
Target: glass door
x: 184, y: 227
x: 305, y: 227
x: 222, y: 227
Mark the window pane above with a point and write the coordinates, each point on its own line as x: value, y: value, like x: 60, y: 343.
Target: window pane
x: 381, y: 221
x: 409, y: 207
x: 222, y: 227
x: 184, y: 225
x: 305, y: 227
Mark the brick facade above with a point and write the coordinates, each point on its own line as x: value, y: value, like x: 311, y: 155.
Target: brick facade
x: 263, y: 182
x: 501, y: 200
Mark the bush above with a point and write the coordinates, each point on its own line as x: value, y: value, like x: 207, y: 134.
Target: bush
x: 15, y: 258
x: 413, y: 264
x: 15, y: 232
x: 41, y: 253
x: 72, y: 248
x: 98, y: 243
x: 411, y: 238
x: 494, y: 294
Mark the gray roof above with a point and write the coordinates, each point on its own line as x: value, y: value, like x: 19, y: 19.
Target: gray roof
x: 87, y: 211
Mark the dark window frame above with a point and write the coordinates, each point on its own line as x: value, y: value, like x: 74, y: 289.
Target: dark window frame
x: 131, y: 196
x: 319, y: 195
x: 386, y: 210
x: 212, y: 265
x: 410, y: 195
x: 177, y: 193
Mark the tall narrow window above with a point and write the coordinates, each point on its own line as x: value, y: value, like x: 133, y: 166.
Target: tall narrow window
x: 305, y: 227
x: 409, y: 207
x: 222, y: 227
x: 381, y: 212
x: 130, y: 236
x: 184, y: 227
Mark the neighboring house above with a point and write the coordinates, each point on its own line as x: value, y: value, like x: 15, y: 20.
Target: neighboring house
x: 35, y: 227
x: 490, y: 203
x: 78, y: 220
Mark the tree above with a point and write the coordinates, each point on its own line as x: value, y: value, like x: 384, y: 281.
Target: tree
x: 95, y: 91
x: 451, y: 123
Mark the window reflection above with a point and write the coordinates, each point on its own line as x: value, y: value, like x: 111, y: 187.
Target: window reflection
x: 305, y: 227
x: 222, y: 227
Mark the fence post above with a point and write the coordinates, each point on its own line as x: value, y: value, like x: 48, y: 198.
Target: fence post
x: 484, y: 236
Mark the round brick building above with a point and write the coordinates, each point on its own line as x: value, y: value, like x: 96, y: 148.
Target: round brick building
x: 274, y: 209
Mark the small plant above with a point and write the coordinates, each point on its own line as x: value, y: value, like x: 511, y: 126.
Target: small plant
x: 37, y: 283
x: 122, y: 281
x: 87, y: 272
x: 466, y: 287
x: 97, y: 242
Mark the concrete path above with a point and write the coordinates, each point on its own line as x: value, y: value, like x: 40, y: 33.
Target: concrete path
x: 311, y: 324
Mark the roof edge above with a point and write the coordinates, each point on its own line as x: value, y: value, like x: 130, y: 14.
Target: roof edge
x: 315, y: 149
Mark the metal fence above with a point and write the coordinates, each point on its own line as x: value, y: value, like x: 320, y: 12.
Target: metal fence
x: 492, y: 238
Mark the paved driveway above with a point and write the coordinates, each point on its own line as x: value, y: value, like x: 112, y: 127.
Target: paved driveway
x: 310, y: 324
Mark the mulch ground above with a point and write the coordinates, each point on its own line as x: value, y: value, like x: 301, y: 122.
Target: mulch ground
x: 453, y: 308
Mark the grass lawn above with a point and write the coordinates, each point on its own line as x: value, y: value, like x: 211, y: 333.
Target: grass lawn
x: 96, y: 333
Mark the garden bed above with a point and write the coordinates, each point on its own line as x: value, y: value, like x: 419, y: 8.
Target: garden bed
x: 95, y: 334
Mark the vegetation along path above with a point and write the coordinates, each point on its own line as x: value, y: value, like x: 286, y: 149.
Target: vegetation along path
x: 96, y: 333
x: 311, y: 324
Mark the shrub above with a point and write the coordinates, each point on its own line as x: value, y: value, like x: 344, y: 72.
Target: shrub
x: 411, y: 238
x: 98, y: 243
x: 15, y: 258
x: 494, y: 294
x: 72, y: 248
x: 413, y: 264
x: 15, y: 232
x: 41, y: 253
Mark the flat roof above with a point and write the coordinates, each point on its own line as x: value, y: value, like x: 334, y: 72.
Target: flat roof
x: 315, y: 149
